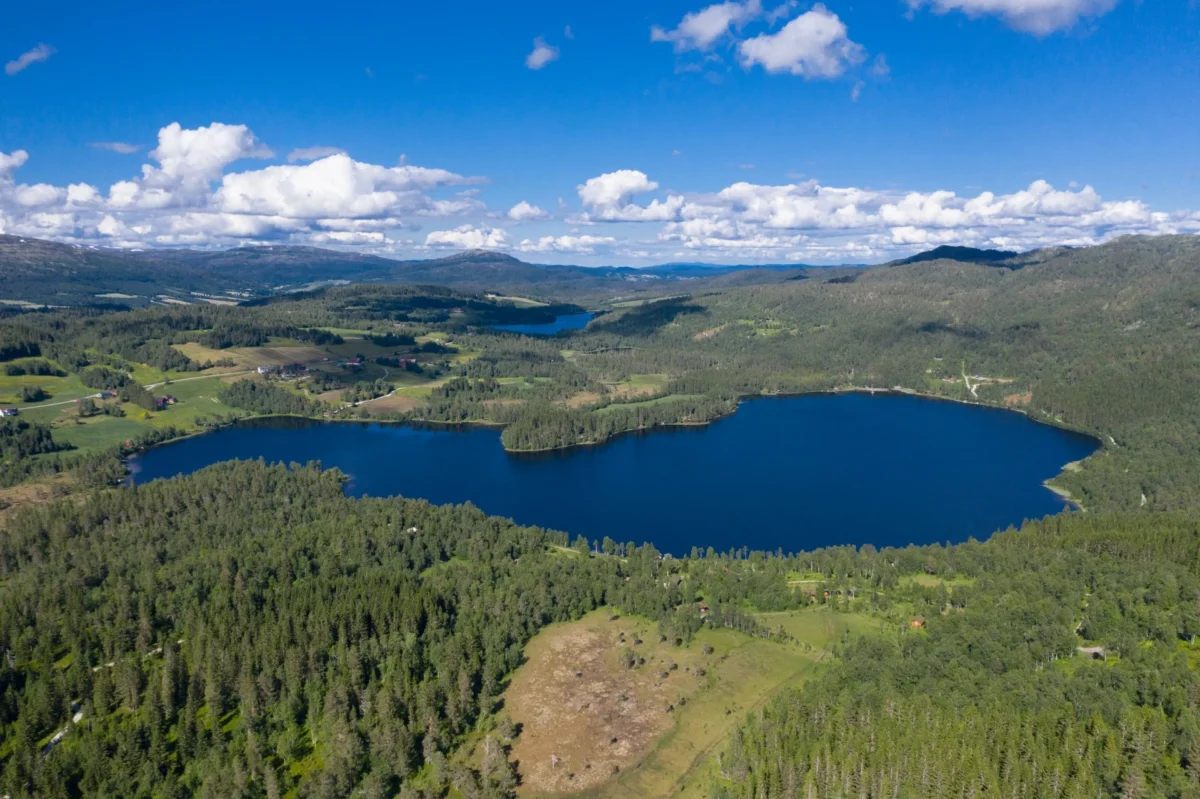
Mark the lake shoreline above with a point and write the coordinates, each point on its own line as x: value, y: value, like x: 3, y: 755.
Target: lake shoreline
x: 1048, y: 483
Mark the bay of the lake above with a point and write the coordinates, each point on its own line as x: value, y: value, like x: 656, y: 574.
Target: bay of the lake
x: 794, y: 473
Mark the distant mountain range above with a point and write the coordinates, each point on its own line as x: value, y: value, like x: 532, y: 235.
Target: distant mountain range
x: 48, y: 273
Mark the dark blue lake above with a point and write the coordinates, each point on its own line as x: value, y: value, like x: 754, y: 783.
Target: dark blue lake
x: 796, y: 473
x: 572, y: 321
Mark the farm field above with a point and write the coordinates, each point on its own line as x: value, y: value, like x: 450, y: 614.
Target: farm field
x: 59, y: 388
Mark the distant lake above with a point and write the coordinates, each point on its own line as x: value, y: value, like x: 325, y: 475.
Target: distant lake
x: 571, y: 321
x: 793, y: 473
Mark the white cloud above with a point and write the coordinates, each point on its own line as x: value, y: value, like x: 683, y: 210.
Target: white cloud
x: 570, y: 244
x: 124, y: 148
x: 203, y: 152
x: 356, y: 238
x: 656, y: 211
x: 186, y: 196
x: 524, y: 212
x: 82, y: 194
x: 541, y: 55
x: 810, y: 221
x: 813, y: 45
x: 313, y: 153
x: 189, y: 161
x: 880, y: 68
x: 607, y: 198
x: 38, y: 195
x: 10, y: 162
x: 467, y: 237
x: 699, y: 30
x: 1041, y: 17
x: 613, y: 188
x: 38, y: 54
x: 335, y: 186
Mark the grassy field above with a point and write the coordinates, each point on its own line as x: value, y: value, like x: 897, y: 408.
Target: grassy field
x: 821, y: 628
x: 98, y: 432
x: 933, y: 581
x: 59, y: 388
x: 594, y: 727
x: 647, y: 403
x: 197, y: 398
x: 520, y: 302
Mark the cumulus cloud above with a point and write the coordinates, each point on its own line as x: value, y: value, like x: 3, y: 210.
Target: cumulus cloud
x: 335, y: 186
x: 613, y: 188
x: 524, y: 212
x: 124, y: 148
x: 205, y: 151
x: 568, y: 244
x: 467, y: 237
x: 313, y: 153
x: 36, y: 55
x: 541, y: 55
x: 813, y: 45
x: 187, y: 195
x: 11, y: 162
x: 1041, y: 17
x: 188, y: 161
x: 38, y: 195
x: 807, y: 220
x: 699, y: 30
x: 607, y: 199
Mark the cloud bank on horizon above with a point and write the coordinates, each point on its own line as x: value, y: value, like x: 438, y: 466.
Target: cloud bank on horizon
x: 190, y: 195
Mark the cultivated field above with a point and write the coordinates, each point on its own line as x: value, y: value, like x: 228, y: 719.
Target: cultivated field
x: 253, y: 357
x: 396, y: 403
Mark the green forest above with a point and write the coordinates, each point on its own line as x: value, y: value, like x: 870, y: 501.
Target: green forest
x: 182, y: 639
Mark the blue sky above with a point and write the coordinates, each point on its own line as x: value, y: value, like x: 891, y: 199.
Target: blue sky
x: 644, y: 132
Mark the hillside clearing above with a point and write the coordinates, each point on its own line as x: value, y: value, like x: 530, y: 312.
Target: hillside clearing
x: 596, y: 727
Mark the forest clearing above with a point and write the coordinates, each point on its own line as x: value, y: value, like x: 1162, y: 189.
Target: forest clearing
x: 593, y: 724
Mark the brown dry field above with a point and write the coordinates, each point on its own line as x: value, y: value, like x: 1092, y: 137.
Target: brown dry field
x: 397, y: 403
x: 500, y: 403
x: 200, y: 354
x: 577, y: 702
x: 276, y: 356
x: 16, y: 498
x: 708, y: 333
x: 330, y: 396
x: 630, y: 392
x: 252, y: 357
x: 583, y: 399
